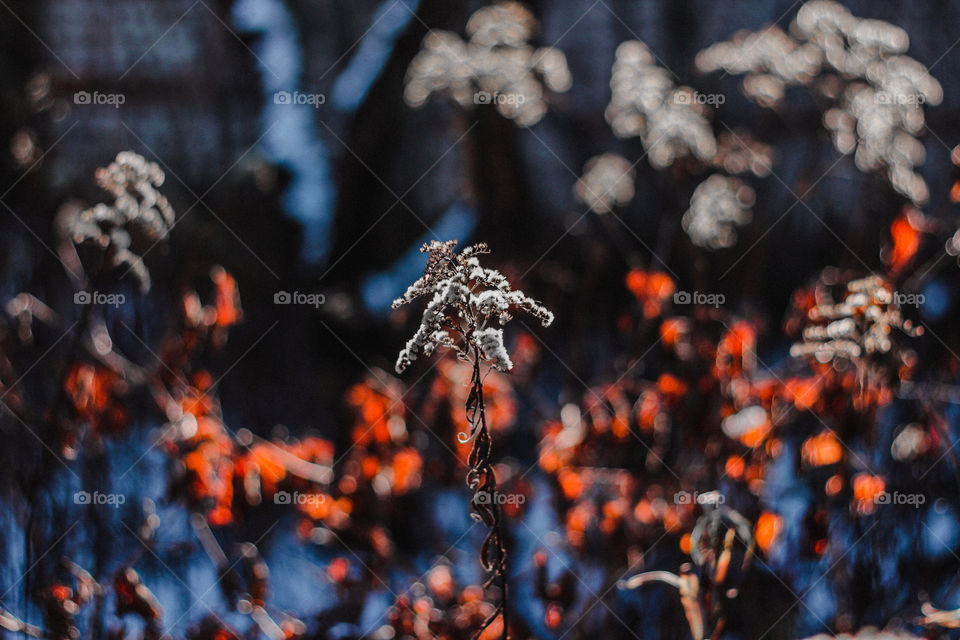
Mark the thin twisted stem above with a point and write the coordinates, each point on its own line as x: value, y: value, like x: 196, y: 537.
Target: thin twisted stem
x: 482, y: 480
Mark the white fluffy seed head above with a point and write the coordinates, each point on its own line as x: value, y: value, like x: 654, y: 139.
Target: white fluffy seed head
x: 463, y: 298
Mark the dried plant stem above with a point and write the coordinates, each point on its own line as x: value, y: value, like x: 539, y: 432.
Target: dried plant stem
x: 482, y: 480
x: 464, y: 298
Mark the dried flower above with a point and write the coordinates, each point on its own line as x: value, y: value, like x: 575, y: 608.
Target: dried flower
x: 606, y: 183
x: 877, y: 94
x: 464, y: 297
x: 712, y: 551
x: 670, y: 121
x: 859, y: 325
x: 138, y: 210
x: 673, y: 123
x: 771, y: 59
x: 495, y: 66
x: 718, y: 206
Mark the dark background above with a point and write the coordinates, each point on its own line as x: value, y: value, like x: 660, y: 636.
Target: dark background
x: 195, y: 92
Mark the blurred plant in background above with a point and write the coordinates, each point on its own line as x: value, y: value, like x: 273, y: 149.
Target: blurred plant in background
x: 871, y: 94
x: 674, y: 126
x: 495, y: 66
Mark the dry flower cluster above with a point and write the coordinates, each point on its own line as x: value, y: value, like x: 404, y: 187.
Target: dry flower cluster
x: 645, y: 102
x: 873, y: 93
x: 860, y: 325
x: 607, y: 182
x: 463, y: 298
x: 689, y: 462
x: 673, y: 123
x: 496, y: 65
x: 138, y: 211
x: 718, y: 206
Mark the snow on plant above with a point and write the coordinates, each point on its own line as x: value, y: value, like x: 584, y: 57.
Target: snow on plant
x: 860, y: 325
x: 673, y: 124
x: 496, y: 65
x: 139, y: 210
x: 607, y: 182
x: 670, y: 120
x: 873, y: 94
x: 465, y: 298
x: 717, y: 207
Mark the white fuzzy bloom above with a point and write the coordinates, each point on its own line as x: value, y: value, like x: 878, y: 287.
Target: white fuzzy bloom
x: 670, y: 120
x: 861, y: 324
x: 876, y: 93
x: 491, y: 303
x: 718, y: 206
x: 531, y: 306
x: 496, y: 65
x: 138, y: 211
x: 490, y: 343
x: 464, y: 297
x: 606, y: 183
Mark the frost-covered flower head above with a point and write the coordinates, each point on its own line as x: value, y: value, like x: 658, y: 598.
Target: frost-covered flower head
x: 645, y: 102
x: 875, y: 93
x: 606, y: 183
x: 464, y: 297
x: 138, y: 212
x: 718, y: 206
x: 673, y: 123
x: 862, y: 324
x: 496, y: 65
